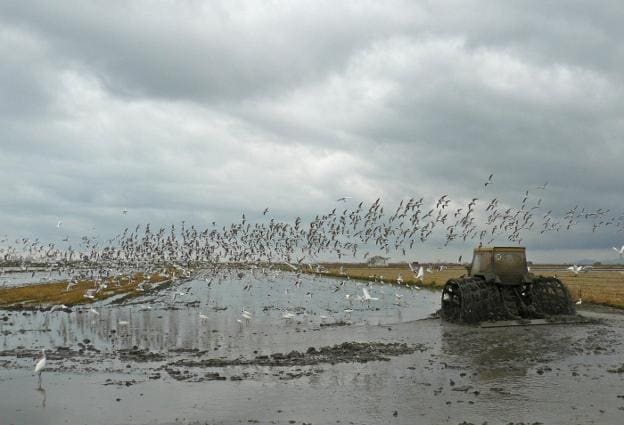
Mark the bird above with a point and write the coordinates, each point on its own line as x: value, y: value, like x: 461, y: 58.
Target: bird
x: 94, y: 311
x: 288, y: 315
x: 58, y: 307
x: 343, y: 199
x: 575, y: 269
x: 246, y: 315
x: 124, y: 211
x: 421, y: 273
x: 619, y: 251
x: 266, y: 210
x: 59, y: 223
x: 489, y: 180
x: 203, y: 316
x: 367, y: 295
x: 41, y: 364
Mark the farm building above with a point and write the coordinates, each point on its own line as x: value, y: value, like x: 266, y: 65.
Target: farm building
x: 377, y: 261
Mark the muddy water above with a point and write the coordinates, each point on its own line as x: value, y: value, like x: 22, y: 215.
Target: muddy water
x: 155, y: 361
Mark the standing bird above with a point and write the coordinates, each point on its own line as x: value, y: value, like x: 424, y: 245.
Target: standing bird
x: 41, y: 363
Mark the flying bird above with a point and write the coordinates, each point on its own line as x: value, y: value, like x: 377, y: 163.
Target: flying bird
x: 421, y: 273
x: 343, y: 199
x: 575, y: 269
x: 619, y: 251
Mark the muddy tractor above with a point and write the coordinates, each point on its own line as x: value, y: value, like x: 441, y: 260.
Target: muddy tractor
x: 499, y: 286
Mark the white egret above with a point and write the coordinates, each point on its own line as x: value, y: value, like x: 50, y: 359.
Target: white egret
x: 41, y: 364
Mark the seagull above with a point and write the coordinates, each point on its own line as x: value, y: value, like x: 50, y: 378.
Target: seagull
x: 489, y: 181
x: 246, y: 315
x: 90, y: 293
x: 619, y: 251
x: 543, y: 187
x: 94, y: 311
x: 57, y: 307
x: 123, y: 323
x: 575, y: 269
x: 343, y: 199
x: 421, y: 273
x: 203, y: 316
x: 266, y: 210
x: 59, y: 223
x: 288, y: 315
x: 124, y: 211
x: 41, y: 363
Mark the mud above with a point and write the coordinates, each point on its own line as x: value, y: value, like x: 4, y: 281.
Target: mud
x: 154, y: 361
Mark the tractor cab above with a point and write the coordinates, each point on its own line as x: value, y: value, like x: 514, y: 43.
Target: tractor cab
x: 503, y: 265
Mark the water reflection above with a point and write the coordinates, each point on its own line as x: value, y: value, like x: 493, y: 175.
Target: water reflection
x: 162, y: 322
x: 42, y: 393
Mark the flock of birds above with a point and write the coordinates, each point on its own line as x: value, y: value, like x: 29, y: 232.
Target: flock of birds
x: 355, y: 232
x: 342, y: 233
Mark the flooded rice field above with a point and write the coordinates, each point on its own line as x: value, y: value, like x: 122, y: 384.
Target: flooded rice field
x: 248, y: 348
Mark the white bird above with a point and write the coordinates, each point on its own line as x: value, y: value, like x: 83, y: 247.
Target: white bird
x: 203, y: 316
x: 367, y: 295
x: 90, y: 294
x: 421, y: 273
x: 288, y: 315
x: 58, y: 307
x: 41, y: 363
x: 246, y: 315
x: 343, y: 199
x: 94, y: 311
x: 123, y: 323
x: 575, y: 269
x: 619, y: 251
x: 59, y: 223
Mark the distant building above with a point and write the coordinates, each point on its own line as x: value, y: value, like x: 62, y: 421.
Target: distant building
x: 377, y: 261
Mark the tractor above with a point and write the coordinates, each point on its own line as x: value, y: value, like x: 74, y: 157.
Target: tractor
x: 499, y: 286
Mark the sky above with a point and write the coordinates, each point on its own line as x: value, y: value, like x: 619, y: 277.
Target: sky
x: 205, y: 110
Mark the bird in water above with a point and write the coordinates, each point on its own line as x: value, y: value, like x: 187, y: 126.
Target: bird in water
x: 41, y: 364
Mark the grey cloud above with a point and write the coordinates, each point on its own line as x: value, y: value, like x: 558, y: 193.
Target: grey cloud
x: 184, y: 110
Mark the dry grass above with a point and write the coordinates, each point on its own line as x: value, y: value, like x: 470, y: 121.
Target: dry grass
x: 436, y: 279
x: 598, y: 287
x: 32, y: 296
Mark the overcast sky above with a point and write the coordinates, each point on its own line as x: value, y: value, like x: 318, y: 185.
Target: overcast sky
x: 203, y: 110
